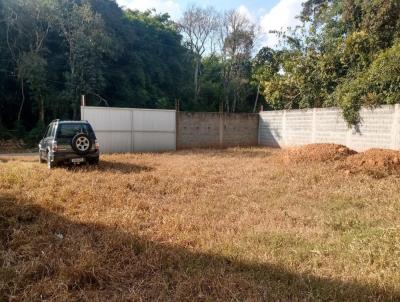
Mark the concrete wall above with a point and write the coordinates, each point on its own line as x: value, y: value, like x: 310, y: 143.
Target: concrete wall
x: 380, y: 128
x: 204, y: 129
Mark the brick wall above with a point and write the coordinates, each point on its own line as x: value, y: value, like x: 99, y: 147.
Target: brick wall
x: 380, y: 128
x: 204, y: 129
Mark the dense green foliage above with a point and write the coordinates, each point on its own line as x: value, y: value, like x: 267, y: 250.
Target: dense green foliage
x: 54, y: 51
x: 347, y: 54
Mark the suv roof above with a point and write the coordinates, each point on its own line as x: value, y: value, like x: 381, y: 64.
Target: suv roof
x: 69, y: 122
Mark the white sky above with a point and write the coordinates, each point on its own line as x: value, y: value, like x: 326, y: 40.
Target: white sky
x: 172, y: 7
x: 278, y: 16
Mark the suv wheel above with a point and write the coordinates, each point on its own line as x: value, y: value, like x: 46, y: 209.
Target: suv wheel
x: 50, y: 164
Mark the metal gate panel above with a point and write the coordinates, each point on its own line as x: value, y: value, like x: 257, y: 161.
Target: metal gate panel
x: 132, y: 130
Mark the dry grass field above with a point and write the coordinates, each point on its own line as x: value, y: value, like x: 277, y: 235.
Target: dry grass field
x: 241, y: 224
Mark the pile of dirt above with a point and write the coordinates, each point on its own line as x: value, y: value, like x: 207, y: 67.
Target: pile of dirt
x: 317, y: 153
x: 12, y: 145
x: 376, y: 162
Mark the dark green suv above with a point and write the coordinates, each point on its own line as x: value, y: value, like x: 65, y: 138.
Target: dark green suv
x: 69, y: 142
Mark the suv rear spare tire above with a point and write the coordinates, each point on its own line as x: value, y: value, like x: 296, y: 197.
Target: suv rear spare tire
x: 81, y: 144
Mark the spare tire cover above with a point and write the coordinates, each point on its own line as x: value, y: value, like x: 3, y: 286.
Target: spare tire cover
x: 81, y: 143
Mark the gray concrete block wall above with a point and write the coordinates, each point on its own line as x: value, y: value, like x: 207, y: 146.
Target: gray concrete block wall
x: 240, y: 129
x: 375, y: 129
x: 197, y: 129
x: 298, y: 127
x: 203, y: 129
x: 271, y: 128
x: 380, y: 128
x: 330, y: 127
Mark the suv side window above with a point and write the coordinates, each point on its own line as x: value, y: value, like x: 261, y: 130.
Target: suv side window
x: 48, y: 134
x: 45, y: 134
x: 53, y: 130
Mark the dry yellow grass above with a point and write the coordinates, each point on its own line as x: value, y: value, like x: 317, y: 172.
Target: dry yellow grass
x: 204, y: 225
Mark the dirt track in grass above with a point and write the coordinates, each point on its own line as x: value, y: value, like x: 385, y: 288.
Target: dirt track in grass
x: 238, y: 224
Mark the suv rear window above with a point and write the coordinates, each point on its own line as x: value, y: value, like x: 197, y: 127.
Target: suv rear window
x: 70, y: 130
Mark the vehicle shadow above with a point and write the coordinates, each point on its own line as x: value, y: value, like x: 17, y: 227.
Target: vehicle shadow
x: 45, y: 256
x: 111, y: 166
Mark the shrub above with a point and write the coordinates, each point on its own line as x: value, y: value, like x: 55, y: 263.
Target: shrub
x: 4, y: 133
x: 379, y: 84
x: 35, y: 134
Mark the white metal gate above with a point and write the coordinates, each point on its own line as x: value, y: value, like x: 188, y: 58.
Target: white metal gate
x: 132, y: 130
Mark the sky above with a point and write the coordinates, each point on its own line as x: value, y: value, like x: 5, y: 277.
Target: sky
x: 267, y: 14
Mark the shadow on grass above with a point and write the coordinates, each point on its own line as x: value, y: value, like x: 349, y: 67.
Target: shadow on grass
x: 111, y: 166
x: 27, y: 159
x: 248, y: 152
x: 45, y: 256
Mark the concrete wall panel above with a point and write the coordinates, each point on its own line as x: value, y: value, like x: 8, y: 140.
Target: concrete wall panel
x: 379, y: 128
x: 129, y: 130
x: 208, y: 129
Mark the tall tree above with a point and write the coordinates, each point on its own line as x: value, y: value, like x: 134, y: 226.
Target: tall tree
x: 52, y: 51
x: 237, y: 34
x: 335, y: 61
x: 265, y: 66
x: 198, y: 26
x: 27, y: 25
x: 86, y: 42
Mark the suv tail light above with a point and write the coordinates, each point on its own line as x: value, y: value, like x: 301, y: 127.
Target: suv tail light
x: 96, y: 144
x: 54, y: 146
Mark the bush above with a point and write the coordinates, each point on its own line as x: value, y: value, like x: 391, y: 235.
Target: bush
x: 19, y: 130
x: 377, y: 85
x: 5, y: 133
x: 35, y: 135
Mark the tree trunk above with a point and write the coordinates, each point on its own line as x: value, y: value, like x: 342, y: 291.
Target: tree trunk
x: 226, y: 89
x: 22, y: 102
x: 41, y: 110
x: 257, y: 96
x: 196, y: 81
x: 234, y: 102
x: 227, y: 103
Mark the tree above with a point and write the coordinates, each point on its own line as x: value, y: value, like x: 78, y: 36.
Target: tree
x: 335, y: 60
x: 86, y: 42
x: 212, y: 88
x: 156, y: 67
x: 198, y: 26
x: 52, y: 51
x: 237, y: 34
x: 375, y: 85
x: 264, y: 66
x: 27, y: 26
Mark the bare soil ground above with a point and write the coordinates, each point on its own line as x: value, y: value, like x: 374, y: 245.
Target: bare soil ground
x: 376, y: 162
x: 242, y: 224
x: 317, y: 152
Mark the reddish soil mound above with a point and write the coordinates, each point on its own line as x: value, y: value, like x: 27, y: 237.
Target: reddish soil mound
x: 377, y: 162
x: 317, y: 153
